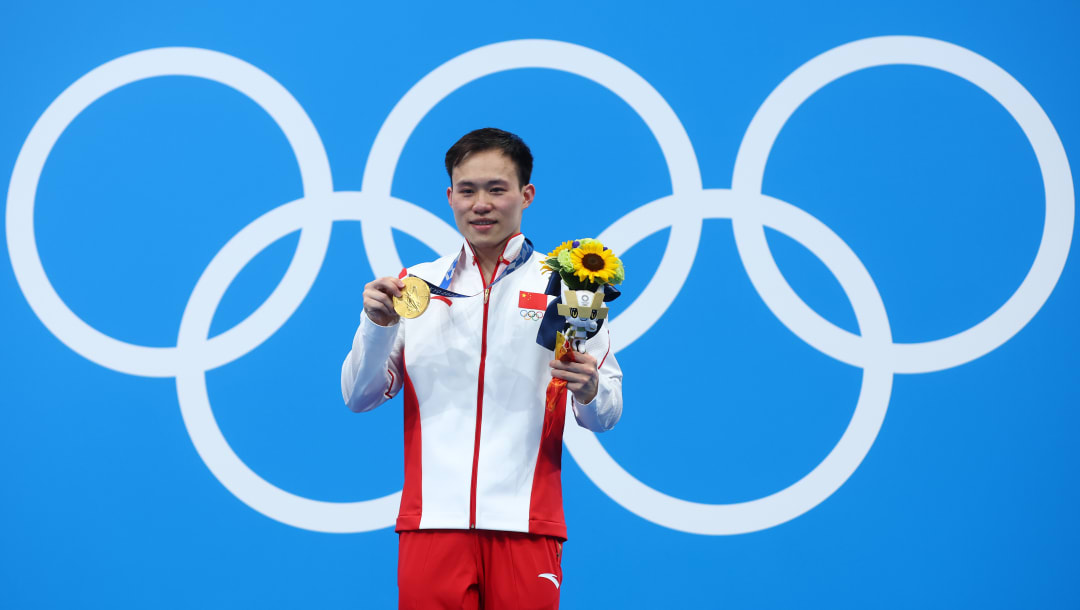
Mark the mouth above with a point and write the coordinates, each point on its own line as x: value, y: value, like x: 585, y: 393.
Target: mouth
x: 482, y: 224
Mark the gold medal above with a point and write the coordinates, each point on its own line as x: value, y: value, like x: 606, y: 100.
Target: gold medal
x: 414, y: 298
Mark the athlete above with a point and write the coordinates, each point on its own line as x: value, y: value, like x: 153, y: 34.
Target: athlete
x: 481, y: 521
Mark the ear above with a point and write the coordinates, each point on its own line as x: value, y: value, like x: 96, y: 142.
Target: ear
x: 529, y: 192
x: 450, y: 195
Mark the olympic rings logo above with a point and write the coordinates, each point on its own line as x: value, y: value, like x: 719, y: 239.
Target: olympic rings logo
x: 749, y: 210
x: 531, y: 314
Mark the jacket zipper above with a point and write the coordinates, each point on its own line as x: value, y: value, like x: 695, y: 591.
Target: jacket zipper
x: 480, y: 388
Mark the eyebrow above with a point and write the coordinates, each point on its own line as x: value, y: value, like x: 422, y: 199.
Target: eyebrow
x: 491, y: 182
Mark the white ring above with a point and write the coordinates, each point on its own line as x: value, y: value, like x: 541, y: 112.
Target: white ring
x: 573, y: 59
x: 22, y: 245
x: 683, y: 211
x: 1000, y: 326
x: 845, y: 457
x: 202, y: 355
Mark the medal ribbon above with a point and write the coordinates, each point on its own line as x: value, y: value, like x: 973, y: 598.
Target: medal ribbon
x: 443, y: 290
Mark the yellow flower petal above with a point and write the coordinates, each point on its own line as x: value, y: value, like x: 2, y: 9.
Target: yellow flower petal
x: 593, y: 263
x: 566, y: 245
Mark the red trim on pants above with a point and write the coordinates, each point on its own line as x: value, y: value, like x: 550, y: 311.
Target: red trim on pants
x: 474, y: 569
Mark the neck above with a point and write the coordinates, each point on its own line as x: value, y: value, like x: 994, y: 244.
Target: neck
x: 487, y: 258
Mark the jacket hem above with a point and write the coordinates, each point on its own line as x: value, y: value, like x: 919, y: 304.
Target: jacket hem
x: 555, y: 529
x: 548, y: 528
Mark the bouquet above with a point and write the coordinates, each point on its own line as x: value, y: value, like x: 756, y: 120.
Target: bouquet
x: 585, y: 264
x: 589, y: 271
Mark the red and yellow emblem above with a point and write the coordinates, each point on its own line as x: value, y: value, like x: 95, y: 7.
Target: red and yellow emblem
x: 532, y: 300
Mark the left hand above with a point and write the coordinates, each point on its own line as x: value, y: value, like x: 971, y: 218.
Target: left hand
x: 581, y: 376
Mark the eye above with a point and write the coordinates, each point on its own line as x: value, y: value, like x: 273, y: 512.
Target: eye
x: 498, y: 190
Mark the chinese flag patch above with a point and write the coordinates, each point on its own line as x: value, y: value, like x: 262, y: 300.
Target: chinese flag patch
x: 532, y: 300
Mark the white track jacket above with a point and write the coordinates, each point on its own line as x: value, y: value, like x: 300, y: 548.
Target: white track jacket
x: 481, y: 449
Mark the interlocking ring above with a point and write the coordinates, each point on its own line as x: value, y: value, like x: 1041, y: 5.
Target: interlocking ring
x: 531, y: 314
x: 683, y: 211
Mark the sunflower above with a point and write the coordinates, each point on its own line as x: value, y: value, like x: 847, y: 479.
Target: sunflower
x: 594, y: 263
x: 566, y: 245
x: 552, y: 262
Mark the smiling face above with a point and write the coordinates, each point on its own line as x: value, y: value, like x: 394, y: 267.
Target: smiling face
x: 488, y: 201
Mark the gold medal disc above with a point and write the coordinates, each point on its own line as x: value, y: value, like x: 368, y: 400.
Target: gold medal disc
x: 414, y: 298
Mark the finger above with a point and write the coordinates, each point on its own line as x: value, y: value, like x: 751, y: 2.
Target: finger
x: 392, y: 286
x: 387, y: 285
x: 379, y: 304
x: 374, y: 298
x: 585, y: 358
x: 584, y: 366
x: 579, y: 385
x: 560, y: 374
x: 569, y: 377
x: 585, y: 370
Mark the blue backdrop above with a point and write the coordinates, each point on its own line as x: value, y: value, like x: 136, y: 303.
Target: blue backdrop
x: 849, y: 337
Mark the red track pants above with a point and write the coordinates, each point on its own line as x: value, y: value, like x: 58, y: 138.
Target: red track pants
x: 478, y: 569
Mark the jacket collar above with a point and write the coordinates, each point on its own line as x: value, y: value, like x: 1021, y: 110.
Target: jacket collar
x: 510, y: 251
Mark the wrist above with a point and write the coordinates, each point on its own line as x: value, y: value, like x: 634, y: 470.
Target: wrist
x: 583, y: 399
x: 381, y: 321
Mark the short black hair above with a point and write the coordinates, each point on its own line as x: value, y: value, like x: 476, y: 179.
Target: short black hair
x: 490, y: 138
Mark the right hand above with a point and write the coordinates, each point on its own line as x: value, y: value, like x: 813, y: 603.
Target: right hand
x: 378, y: 301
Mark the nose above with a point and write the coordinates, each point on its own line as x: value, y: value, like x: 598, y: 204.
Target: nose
x: 483, y: 202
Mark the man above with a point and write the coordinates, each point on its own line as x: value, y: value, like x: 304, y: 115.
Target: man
x: 481, y: 522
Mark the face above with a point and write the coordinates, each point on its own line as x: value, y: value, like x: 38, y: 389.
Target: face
x: 487, y: 200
